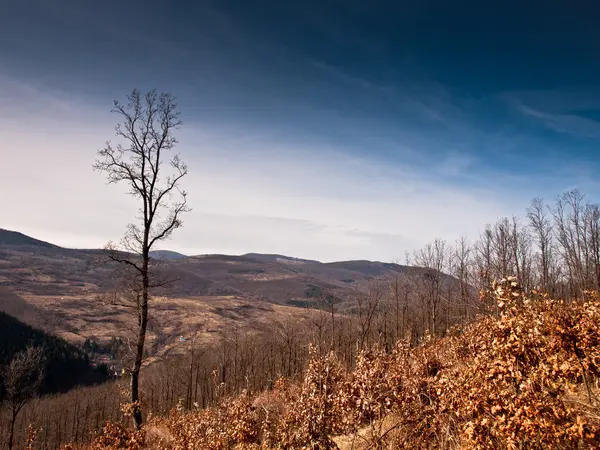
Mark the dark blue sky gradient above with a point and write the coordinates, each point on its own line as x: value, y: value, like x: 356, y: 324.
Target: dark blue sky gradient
x: 409, y: 82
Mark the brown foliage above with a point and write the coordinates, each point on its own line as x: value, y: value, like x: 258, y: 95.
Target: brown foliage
x: 524, y: 379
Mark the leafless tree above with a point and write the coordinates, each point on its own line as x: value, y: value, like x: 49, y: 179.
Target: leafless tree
x: 483, y: 258
x: 432, y: 259
x: 502, y: 245
x: 318, y: 325
x: 593, y: 229
x: 368, y: 304
x: 322, y: 313
x: 542, y: 230
x: 399, y: 292
x: 521, y: 253
x: 462, y: 269
x: 568, y: 219
x: 22, y: 381
x: 142, y: 161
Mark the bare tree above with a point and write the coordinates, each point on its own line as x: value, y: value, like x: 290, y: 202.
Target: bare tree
x: 318, y: 323
x: 433, y: 260
x: 521, y: 253
x: 399, y: 293
x: 367, y: 306
x: 593, y: 229
x: 22, y: 381
x: 483, y: 257
x: 542, y: 229
x: 568, y: 219
x: 502, y: 245
x: 146, y: 129
x: 461, y: 264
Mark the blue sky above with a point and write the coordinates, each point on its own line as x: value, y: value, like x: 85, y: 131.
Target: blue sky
x: 322, y: 129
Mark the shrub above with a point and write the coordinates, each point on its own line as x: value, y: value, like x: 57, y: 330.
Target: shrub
x: 526, y: 379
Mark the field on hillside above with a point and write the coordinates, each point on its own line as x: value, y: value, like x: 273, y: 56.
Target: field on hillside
x: 173, y: 321
x: 63, y: 291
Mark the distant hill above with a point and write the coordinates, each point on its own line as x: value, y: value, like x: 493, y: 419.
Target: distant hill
x: 8, y: 237
x: 368, y: 268
x: 59, y: 289
x: 167, y: 255
x: 278, y: 258
x: 46, y: 269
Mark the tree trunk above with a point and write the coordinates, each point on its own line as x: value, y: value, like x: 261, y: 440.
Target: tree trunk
x: 139, y: 355
x: 11, y: 434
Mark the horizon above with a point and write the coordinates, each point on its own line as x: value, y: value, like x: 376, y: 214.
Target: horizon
x: 326, y: 131
x: 291, y: 257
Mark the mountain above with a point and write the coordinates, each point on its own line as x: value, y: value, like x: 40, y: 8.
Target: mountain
x: 34, y: 267
x: 277, y: 258
x: 15, y: 238
x: 166, y: 255
x: 64, y: 291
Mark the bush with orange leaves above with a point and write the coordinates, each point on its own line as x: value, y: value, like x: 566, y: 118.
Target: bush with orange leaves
x: 525, y: 379
x: 521, y: 384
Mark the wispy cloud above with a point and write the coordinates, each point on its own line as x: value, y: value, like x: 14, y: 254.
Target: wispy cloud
x: 249, y: 193
x: 562, y: 110
x: 427, y: 99
x: 566, y: 123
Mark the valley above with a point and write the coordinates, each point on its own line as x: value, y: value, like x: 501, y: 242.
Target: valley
x: 67, y: 292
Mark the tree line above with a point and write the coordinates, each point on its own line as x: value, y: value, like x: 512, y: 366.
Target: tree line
x: 33, y: 363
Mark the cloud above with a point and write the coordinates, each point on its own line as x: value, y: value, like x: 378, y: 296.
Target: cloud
x: 239, y: 234
x: 251, y: 190
x: 289, y: 151
x: 562, y: 111
x: 457, y: 164
x: 427, y: 99
x: 566, y: 123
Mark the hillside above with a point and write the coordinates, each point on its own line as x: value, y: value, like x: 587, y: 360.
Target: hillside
x: 36, y: 268
x: 66, y: 365
x: 14, y: 238
x: 15, y: 306
x: 524, y: 379
x: 61, y: 290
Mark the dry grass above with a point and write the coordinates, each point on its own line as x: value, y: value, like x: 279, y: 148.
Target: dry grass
x: 76, y: 318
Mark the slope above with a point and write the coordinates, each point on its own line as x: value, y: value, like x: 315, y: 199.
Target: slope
x: 61, y: 290
x: 66, y: 366
x: 15, y: 238
x: 520, y: 380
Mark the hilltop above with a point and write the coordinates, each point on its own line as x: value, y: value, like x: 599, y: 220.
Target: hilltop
x: 14, y: 238
x: 166, y: 255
